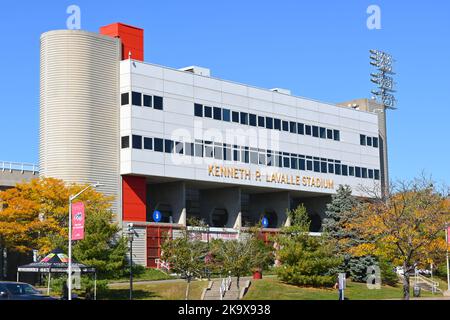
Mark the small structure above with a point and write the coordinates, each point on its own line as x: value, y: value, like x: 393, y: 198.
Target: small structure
x: 57, y: 262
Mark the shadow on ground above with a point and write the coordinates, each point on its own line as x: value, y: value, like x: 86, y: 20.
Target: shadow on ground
x: 124, y: 294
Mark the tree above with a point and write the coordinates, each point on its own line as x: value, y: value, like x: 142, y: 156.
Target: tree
x: 240, y: 257
x: 407, y: 228
x: 185, y: 256
x: 305, y: 260
x: 35, y: 216
x: 339, y: 212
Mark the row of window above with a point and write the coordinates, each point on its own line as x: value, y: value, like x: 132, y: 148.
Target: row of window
x: 140, y: 99
x: 223, y: 151
x: 368, y: 141
x: 254, y: 120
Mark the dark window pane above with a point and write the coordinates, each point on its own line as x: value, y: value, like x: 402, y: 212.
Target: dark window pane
x: 364, y: 172
x: 189, y: 149
x: 147, y: 101
x: 323, y: 133
x: 217, y: 113
x: 269, y: 123
x: 285, y: 126
x: 235, y: 116
x: 125, y: 142
x: 252, y: 120
x: 375, y: 142
x: 277, y: 124
x: 331, y: 167
x: 358, y: 172
x: 293, y: 127
x: 329, y: 134
x: 337, y: 168
x: 226, y: 115
x: 124, y: 98
x: 286, y: 162
x: 198, y: 110
x: 168, y: 146
x: 301, y: 164
x: 137, y: 142
x: 369, y: 141
x: 218, y: 153
x: 236, y: 155
x: 300, y: 128
x: 261, y: 122
x: 209, y: 151
x: 316, y: 166
x: 309, y: 165
x: 136, y: 98
x: 158, y: 103
x: 208, y: 112
x: 362, y: 139
x: 370, y: 174
x: 254, y: 157
x: 148, y: 143
x: 308, y: 130
x: 227, y: 154
x: 377, y: 174
x: 294, y: 163
x: 315, y: 131
x: 323, y: 167
x: 244, y: 118
x: 262, y: 159
x: 158, y: 145
x: 344, y: 170
x: 337, y: 135
x: 198, y: 150
x: 351, y: 171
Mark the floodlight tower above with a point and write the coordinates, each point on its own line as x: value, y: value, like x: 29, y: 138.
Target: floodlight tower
x: 383, y: 78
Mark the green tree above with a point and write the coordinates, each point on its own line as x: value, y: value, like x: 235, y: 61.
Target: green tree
x: 305, y: 260
x: 339, y: 212
x: 186, y: 257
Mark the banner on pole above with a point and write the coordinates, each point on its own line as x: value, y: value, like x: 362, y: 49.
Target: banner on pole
x: 448, y: 235
x: 78, y: 221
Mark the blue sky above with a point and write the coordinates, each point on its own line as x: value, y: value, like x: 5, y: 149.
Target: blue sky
x: 318, y: 49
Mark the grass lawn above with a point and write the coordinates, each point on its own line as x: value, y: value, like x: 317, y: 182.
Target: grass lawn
x: 156, y: 291
x: 270, y: 288
x: 148, y: 275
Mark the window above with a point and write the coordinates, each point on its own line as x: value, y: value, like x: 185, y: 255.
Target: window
x: 208, y: 112
x: 377, y: 174
x: 137, y: 142
x: 294, y: 163
x: 286, y: 162
x: 236, y: 155
x: 309, y: 165
x: 261, y: 122
x: 217, y: 113
x: 300, y: 128
x: 277, y: 124
x: 370, y: 173
x: 227, y: 154
x: 375, y: 142
x: 124, y: 98
x: 218, y: 153
x: 226, y: 115
x: 285, y: 126
x: 307, y: 130
x: 330, y: 134
x: 147, y: 101
x: 344, y: 170
x: 198, y: 148
x: 158, y: 145
x: 235, y: 116
x: 331, y: 167
x: 136, y: 98
x: 362, y: 139
x: 125, y: 142
x: 269, y: 123
x: 252, y: 119
x: 323, y: 133
x: 254, y: 157
x: 301, y: 164
x: 209, y: 151
x: 158, y: 103
x: 189, y: 149
x: 351, y: 171
x: 244, y: 118
x: 148, y: 143
x: 168, y: 146
x: 270, y: 158
x: 316, y: 166
x: 179, y: 147
x: 358, y: 172
x: 262, y: 158
x: 198, y: 110
x: 323, y: 167
x: 337, y: 135
x: 369, y: 141
x: 315, y: 131
x: 293, y: 127
x: 364, y: 172
x: 337, y: 168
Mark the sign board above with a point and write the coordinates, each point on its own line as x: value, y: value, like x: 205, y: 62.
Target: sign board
x: 265, y: 222
x: 157, y: 216
x: 342, y: 281
x: 78, y: 218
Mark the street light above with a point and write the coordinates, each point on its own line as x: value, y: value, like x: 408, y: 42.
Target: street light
x: 130, y: 230
x: 69, y: 269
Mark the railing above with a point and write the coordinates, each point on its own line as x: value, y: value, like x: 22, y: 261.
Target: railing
x: 225, y: 285
x: 420, y: 279
x: 18, y: 166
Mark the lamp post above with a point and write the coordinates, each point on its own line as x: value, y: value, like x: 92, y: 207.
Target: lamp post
x: 130, y: 229
x: 448, y: 264
x: 69, y: 269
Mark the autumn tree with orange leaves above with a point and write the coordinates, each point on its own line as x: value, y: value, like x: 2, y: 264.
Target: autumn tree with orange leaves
x: 407, y: 228
x: 34, y: 215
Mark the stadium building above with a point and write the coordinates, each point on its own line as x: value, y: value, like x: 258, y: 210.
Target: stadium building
x: 185, y: 144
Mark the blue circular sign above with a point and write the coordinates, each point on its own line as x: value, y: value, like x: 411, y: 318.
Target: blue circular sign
x: 265, y: 222
x: 157, y: 216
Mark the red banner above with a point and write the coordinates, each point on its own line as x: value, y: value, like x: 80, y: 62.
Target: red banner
x: 78, y: 221
x: 448, y: 235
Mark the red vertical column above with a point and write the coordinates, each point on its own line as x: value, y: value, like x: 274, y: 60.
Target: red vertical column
x: 132, y: 39
x: 134, y: 194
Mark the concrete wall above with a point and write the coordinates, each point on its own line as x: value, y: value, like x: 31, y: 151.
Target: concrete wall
x: 276, y: 201
x: 315, y: 207
x: 223, y: 198
x: 11, y: 178
x: 171, y: 193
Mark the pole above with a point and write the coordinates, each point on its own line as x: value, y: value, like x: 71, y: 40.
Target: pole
x: 448, y: 264
x: 69, y: 269
x: 95, y: 286
x: 131, y: 268
x: 48, y: 285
